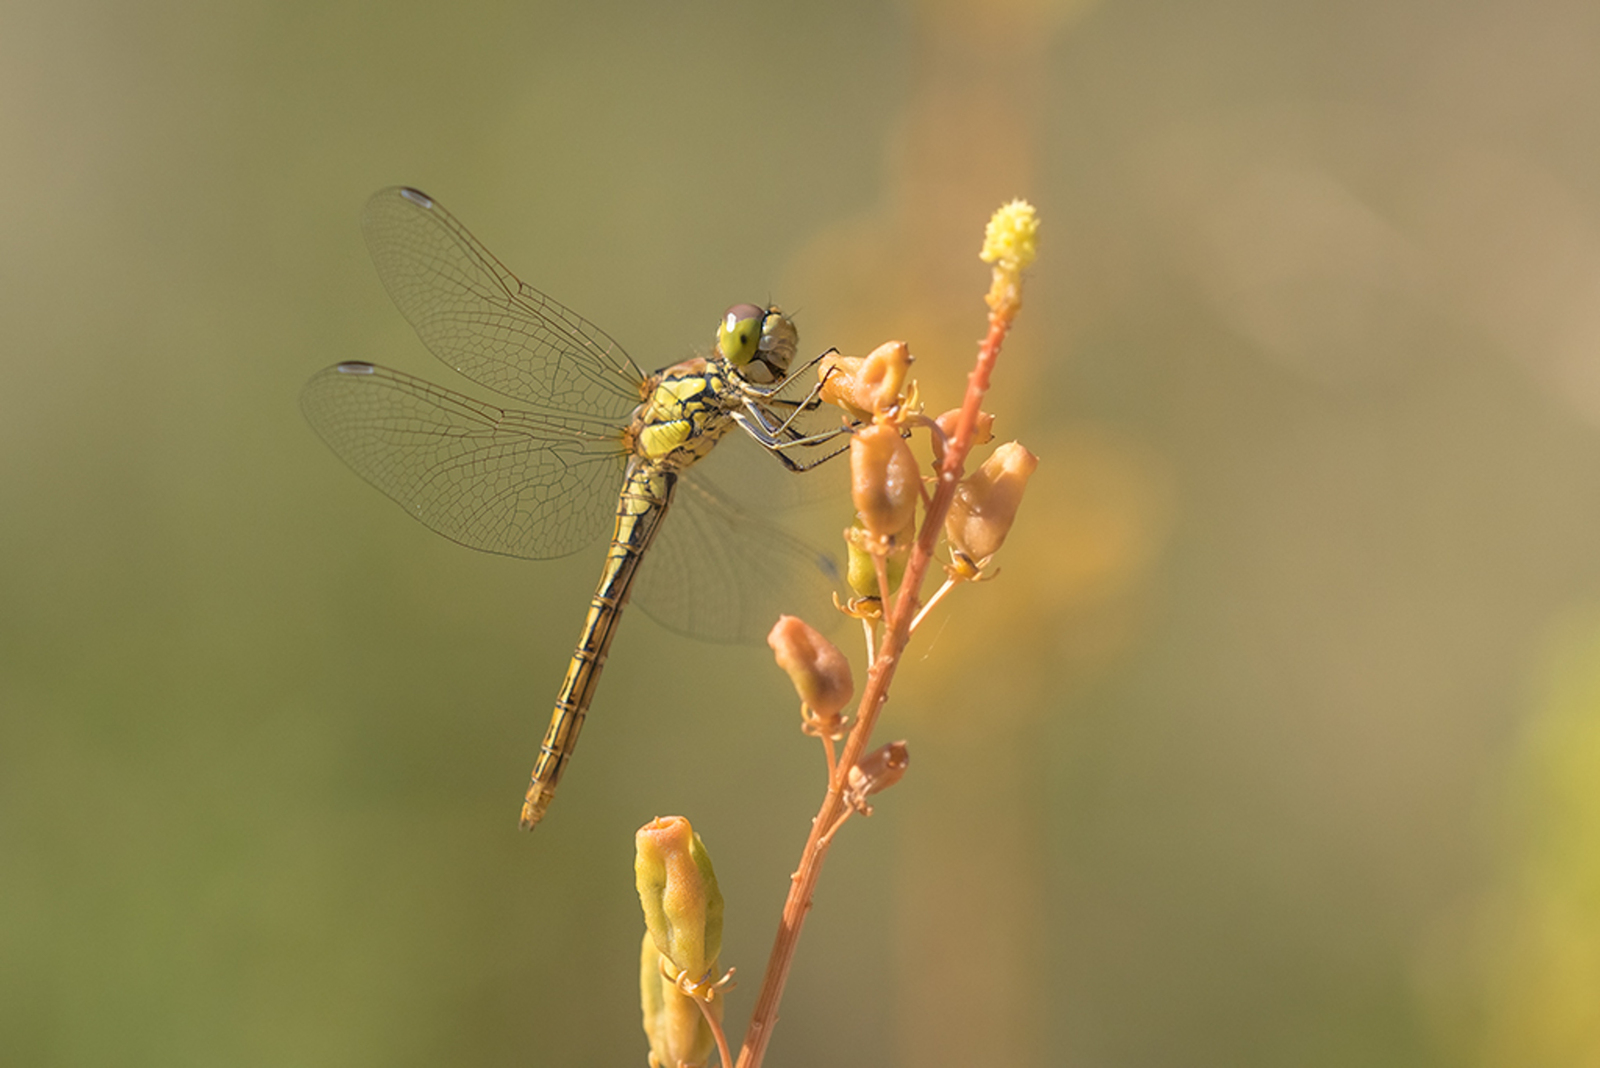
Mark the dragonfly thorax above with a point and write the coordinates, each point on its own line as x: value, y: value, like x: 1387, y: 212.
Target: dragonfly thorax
x: 688, y: 410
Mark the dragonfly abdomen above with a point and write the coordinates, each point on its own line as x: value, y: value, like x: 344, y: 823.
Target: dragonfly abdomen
x: 646, y: 493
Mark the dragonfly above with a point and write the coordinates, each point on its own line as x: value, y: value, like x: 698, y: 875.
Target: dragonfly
x: 598, y: 440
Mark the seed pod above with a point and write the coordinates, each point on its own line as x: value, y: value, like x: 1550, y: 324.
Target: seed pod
x: 883, y: 375
x: 986, y: 502
x: 819, y: 671
x: 878, y: 770
x: 677, y: 1030
x: 678, y: 890
x: 982, y: 430
x: 865, y: 385
x: 884, y: 480
x: 840, y: 377
x: 861, y: 571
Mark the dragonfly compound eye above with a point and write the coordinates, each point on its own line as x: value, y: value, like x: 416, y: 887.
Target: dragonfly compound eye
x: 779, y: 340
x: 739, y: 337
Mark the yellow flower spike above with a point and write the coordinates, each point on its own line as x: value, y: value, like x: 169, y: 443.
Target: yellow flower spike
x: 1010, y: 243
x: 1011, y: 240
x: 885, y: 483
x: 679, y: 1034
x: 986, y: 502
x: 678, y: 890
x: 819, y: 671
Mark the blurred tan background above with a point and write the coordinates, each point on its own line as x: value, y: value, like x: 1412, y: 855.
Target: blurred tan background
x: 1277, y: 742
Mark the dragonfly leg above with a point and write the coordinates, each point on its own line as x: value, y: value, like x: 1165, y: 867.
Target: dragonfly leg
x: 756, y: 422
x: 777, y: 440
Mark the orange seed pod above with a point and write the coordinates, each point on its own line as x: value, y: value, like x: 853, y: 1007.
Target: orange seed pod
x: 819, y: 671
x: 864, y: 385
x: 986, y: 502
x: 884, y: 480
x: 878, y: 770
x: 982, y: 429
x: 841, y: 377
x: 883, y: 376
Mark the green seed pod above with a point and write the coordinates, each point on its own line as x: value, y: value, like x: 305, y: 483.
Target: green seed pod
x: 678, y: 890
x: 678, y: 1032
x: 861, y: 574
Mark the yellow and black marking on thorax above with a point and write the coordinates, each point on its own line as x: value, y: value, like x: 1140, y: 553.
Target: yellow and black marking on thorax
x: 686, y: 413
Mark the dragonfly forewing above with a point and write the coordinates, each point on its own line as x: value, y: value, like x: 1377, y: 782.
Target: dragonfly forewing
x: 502, y: 480
x: 479, y: 318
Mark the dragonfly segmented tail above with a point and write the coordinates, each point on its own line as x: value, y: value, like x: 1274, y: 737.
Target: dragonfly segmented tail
x: 642, y: 506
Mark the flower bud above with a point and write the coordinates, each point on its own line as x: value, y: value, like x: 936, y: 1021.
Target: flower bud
x: 819, y: 671
x: 884, y: 480
x: 878, y: 770
x: 678, y: 1032
x: 986, y: 502
x: 678, y: 889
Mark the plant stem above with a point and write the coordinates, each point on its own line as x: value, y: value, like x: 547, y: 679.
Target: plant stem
x: 716, y: 1030
x: 803, y: 882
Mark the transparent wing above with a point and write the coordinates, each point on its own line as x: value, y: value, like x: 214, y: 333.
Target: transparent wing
x: 496, y: 479
x: 723, y: 573
x: 479, y: 318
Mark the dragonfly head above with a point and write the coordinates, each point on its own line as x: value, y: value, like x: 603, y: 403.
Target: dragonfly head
x: 759, y: 342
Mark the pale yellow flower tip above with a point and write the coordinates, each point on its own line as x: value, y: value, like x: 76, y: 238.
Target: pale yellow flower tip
x: 1010, y: 241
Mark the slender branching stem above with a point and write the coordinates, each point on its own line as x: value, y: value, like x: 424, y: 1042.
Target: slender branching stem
x: 834, y: 808
x: 948, y: 585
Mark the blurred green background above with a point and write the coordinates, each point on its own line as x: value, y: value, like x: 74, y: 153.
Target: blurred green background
x: 1277, y: 742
